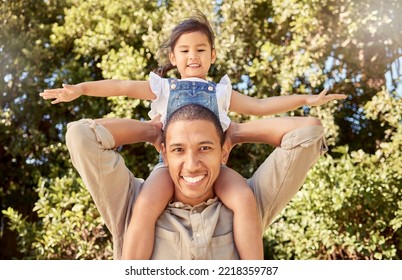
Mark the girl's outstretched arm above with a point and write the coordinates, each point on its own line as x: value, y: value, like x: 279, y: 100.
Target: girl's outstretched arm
x: 102, y: 88
x: 244, y: 104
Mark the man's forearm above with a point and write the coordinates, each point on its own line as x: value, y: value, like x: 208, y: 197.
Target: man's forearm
x: 267, y: 131
x: 129, y: 131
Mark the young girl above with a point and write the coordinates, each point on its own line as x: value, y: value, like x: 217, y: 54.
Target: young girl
x: 191, y: 50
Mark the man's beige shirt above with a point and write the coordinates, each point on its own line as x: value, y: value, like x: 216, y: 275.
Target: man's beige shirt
x: 204, y: 231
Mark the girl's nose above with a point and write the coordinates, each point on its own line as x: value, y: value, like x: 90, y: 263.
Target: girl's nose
x: 193, y: 56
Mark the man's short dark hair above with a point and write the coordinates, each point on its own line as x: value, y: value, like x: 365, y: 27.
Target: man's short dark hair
x: 195, y: 112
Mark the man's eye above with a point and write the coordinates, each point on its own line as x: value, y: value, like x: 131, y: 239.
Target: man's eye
x: 205, y: 148
x: 177, y: 150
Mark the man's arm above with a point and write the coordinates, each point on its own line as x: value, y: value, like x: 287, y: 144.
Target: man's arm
x: 129, y: 131
x: 103, y: 171
x: 268, y: 131
x: 282, y: 174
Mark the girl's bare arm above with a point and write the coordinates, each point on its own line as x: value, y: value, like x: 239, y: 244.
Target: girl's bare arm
x: 244, y: 104
x: 102, y: 88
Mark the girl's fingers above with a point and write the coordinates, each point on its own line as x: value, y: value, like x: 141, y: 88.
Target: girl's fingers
x: 324, y: 92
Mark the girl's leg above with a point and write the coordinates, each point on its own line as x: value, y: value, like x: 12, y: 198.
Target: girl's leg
x: 151, y: 202
x: 236, y: 194
x: 232, y: 190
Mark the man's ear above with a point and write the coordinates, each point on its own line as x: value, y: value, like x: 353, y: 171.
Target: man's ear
x: 163, y: 151
x: 172, y: 58
x: 225, y: 154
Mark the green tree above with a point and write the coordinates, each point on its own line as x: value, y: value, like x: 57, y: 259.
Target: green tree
x: 350, y: 207
x: 26, y: 129
x: 69, y: 226
x: 268, y: 48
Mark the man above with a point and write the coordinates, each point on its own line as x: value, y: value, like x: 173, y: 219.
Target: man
x: 195, y: 225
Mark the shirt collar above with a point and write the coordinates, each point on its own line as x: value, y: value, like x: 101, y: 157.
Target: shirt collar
x: 181, y: 205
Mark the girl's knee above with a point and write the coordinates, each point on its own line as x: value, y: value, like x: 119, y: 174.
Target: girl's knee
x: 313, y: 121
x: 236, y: 196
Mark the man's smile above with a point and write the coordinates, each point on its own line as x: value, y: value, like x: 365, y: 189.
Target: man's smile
x: 193, y: 180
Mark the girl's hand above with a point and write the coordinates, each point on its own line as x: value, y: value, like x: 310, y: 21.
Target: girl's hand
x: 66, y: 94
x: 322, y: 98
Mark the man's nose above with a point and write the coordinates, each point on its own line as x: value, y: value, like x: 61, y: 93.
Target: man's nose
x: 191, y: 162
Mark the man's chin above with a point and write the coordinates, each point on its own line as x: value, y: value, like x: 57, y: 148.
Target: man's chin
x: 194, y: 194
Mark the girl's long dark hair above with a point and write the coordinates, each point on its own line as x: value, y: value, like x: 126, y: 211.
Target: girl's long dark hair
x: 198, y: 22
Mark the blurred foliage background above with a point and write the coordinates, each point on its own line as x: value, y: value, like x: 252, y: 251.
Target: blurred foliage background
x: 350, y: 206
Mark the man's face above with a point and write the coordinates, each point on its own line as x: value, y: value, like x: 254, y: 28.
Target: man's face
x: 193, y: 155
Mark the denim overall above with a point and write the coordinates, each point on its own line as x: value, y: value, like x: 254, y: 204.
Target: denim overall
x: 190, y: 92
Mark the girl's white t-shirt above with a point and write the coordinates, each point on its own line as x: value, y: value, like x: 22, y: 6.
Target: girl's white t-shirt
x: 160, y: 87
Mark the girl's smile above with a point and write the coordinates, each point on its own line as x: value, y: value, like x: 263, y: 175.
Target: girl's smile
x: 193, y: 55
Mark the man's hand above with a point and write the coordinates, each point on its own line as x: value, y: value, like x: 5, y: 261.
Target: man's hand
x: 157, y: 126
x: 66, y: 94
x: 230, y: 140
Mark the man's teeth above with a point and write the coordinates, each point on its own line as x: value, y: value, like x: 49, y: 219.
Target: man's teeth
x: 193, y: 179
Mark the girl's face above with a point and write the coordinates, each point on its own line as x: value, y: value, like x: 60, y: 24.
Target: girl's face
x: 193, y: 55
